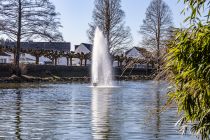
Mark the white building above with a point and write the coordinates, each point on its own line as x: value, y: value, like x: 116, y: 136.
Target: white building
x: 136, y: 52
x: 141, y: 54
x: 62, y: 61
x: 27, y: 58
x: 4, y: 58
x: 30, y: 59
x: 85, y: 48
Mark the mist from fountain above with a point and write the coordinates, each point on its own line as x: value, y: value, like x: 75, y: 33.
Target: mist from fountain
x: 101, y: 63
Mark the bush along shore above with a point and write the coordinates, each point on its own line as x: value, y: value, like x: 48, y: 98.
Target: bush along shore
x: 27, y: 79
x: 51, y: 73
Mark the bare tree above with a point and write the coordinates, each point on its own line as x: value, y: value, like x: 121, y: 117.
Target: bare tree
x: 156, y: 28
x: 108, y: 16
x: 28, y: 19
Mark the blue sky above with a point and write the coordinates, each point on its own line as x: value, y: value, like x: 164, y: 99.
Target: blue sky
x: 76, y: 14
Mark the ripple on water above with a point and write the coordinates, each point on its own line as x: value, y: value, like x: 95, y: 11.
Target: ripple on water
x: 76, y: 111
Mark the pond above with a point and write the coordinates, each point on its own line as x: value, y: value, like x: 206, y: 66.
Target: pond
x: 77, y: 111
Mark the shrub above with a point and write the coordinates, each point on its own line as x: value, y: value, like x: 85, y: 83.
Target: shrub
x: 188, y: 67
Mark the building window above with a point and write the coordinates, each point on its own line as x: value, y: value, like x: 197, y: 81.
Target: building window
x: 3, y: 60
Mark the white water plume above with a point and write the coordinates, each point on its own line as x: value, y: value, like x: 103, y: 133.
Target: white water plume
x: 101, y: 63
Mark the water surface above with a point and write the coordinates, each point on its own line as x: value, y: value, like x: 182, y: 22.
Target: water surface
x: 77, y: 111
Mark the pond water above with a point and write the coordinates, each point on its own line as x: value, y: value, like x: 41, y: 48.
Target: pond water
x: 77, y: 111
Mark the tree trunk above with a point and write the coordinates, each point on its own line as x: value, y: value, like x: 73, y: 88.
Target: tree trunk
x: 37, y: 59
x: 85, y: 62
x: 70, y: 61
x: 17, y: 51
x: 14, y: 57
x: 81, y: 62
x: 158, y: 37
x: 55, y: 61
x: 107, y: 23
x: 67, y: 61
x: 118, y: 63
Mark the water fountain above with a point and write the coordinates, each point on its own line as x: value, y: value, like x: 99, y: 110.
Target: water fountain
x: 101, y: 63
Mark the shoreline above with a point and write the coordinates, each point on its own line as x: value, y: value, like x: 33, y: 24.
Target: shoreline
x: 54, y: 78
x: 50, y: 73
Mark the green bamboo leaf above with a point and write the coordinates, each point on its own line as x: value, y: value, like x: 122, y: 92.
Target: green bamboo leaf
x: 187, y: 19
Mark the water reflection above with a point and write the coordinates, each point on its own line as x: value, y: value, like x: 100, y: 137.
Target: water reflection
x: 157, y: 119
x: 18, y: 115
x: 157, y: 113
x: 76, y: 111
x: 100, y: 113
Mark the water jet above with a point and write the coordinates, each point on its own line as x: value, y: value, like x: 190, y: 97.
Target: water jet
x: 101, y: 63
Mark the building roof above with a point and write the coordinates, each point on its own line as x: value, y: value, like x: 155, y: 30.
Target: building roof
x: 4, y: 54
x: 55, y: 46
x: 88, y: 46
x: 143, y: 51
x: 76, y: 46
